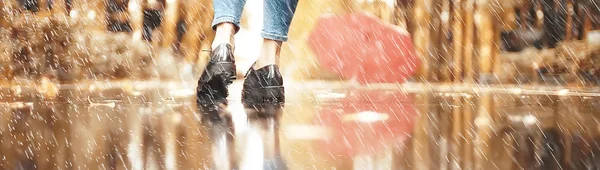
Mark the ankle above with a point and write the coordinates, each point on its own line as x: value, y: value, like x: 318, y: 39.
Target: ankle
x: 222, y: 39
x: 224, y: 35
x: 269, y: 54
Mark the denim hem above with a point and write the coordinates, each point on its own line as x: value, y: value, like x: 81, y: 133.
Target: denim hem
x: 272, y: 36
x: 224, y: 19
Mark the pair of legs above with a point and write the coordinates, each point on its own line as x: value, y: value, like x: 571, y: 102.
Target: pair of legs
x: 277, y: 17
x: 263, y: 84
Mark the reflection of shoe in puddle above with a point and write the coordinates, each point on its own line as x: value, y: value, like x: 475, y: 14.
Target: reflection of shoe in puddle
x: 217, y: 76
x: 263, y: 90
x: 275, y: 164
x: 259, y: 145
x: 212, y: 113
x: 221, y: 140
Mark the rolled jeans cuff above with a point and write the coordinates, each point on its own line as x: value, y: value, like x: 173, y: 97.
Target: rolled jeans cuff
x: 274, y: 36
x: 223, y: 19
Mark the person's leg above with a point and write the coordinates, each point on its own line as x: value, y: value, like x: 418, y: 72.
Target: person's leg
x: 220, y: 70
x: 226, y: 21
x: 264, y: 83
x: 278, y: 16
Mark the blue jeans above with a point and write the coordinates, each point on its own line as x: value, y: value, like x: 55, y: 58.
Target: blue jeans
x: 277, y: 16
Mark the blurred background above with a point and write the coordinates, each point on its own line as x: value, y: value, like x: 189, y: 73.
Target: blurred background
x: 410, y: 84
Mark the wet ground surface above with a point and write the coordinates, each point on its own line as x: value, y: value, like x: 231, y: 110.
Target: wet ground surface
x: 324, y: 125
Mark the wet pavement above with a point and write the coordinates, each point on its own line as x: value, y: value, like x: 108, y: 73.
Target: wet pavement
x: 324, y: 125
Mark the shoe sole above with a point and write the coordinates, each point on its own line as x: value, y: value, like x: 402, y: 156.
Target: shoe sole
x: 265, y: 111
x: 264, y: 102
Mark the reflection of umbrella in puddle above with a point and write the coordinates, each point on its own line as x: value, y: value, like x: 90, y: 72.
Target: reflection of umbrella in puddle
x: 363, y: 47
x: 367, y: 121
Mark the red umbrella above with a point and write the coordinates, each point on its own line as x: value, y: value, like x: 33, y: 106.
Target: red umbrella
x: 363, y: 47
x: 366, y: 121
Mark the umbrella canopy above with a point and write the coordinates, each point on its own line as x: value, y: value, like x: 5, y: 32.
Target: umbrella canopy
x: 362, y: 46
x: 366, y: 121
